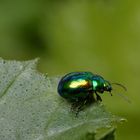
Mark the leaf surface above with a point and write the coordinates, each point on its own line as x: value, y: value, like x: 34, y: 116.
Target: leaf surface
x: 31, y: 109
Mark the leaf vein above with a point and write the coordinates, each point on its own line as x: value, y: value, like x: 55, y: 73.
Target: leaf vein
x: 12, y: 81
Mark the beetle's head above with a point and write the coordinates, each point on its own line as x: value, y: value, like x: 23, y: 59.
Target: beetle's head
x: 107, y: 86
x: 100, y: 85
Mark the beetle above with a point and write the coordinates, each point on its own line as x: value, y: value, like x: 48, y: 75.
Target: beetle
x: 80, y: 87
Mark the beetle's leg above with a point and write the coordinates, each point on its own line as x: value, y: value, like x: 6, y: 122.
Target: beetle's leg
x: 90, y: 99
x: 74, y: 105
x: 78, y: 105
x: 98, y: 97
x: 78, y: 110
x: 85, y: 102
x: 81, y: 106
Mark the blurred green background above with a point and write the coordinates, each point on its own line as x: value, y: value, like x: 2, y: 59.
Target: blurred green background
x: 101, y: 36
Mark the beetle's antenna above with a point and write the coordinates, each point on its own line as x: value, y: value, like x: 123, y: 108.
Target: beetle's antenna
x: 124, y: 97
x: 118, y: 84
x: 121, y: 95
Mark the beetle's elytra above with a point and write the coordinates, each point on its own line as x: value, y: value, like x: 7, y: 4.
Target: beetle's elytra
x: 78, y: 86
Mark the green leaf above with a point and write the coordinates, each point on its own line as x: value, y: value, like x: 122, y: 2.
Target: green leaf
x: 31, y: 109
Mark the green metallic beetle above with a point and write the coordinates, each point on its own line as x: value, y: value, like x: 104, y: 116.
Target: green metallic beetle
x: 80, y: 87
x: 77, y: 86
